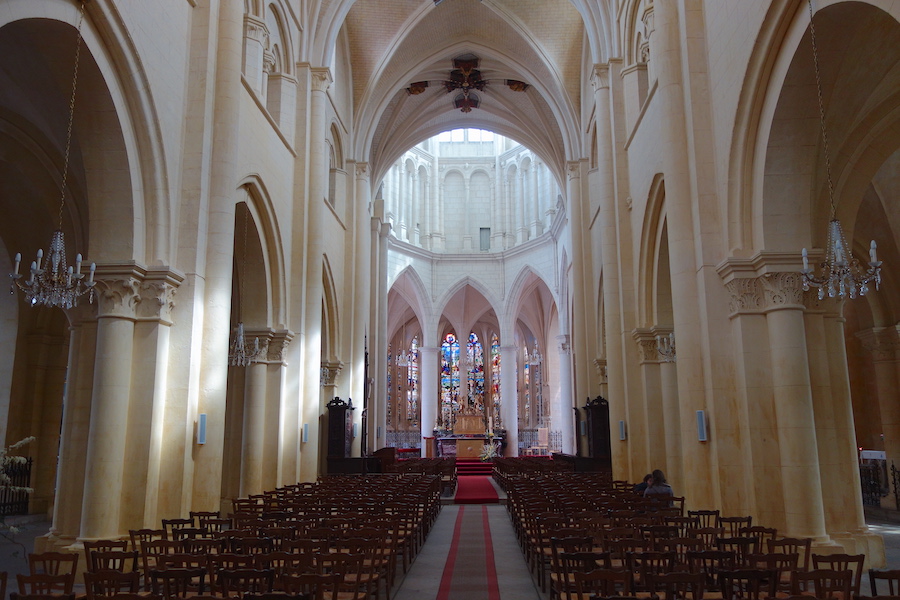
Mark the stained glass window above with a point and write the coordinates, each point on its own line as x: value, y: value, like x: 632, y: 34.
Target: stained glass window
x: 495, y: 378
x: 390, y: 388
x: 449, y: 380
x: 412, y: 389
x: 475, y: 376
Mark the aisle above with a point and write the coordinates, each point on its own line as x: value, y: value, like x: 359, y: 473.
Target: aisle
x: 471, y: 554
x: 475, y: 489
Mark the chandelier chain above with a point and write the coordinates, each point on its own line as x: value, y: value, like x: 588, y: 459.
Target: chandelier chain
x: 815, y: 51
x: 65, y: 173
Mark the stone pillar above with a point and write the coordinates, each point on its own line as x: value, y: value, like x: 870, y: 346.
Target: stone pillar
x: 666, y: 52
x: 608, y: 233
x: 362, y: 298
x: 311, y: 400
x: 141, y: 485
x: 794, y: 406
x: 202, y: 472
x: 254, y: 433
x: 563, y: 419
x: 583, y: 289
x: 535, y: 216
x: 381, y: 339
x: 671, y: 417
x: 110, y: 403
x: 282, y: 103
x: 509, y: 398
x: 70, y: 472
x: 280, y: 456
x: 429, y: 367
x: 653, y: 434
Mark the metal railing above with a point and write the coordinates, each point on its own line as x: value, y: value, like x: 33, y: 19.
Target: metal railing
x: 15, y: 502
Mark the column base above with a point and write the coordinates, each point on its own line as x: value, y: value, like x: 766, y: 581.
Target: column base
x: 862, y: 542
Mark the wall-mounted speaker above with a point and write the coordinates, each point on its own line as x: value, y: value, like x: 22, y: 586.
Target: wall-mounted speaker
x: 701, y: 426
x: 201, y: 428
x: 623, y: 434
x: 583, y: 427
x: 355, y: 429
x: 305, y: 436
x: 378, y: 433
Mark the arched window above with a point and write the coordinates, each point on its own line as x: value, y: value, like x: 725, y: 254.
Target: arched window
x: 449, y: 380
x: 495, y: 379
x: 475, y: 376
x: 412, y: 388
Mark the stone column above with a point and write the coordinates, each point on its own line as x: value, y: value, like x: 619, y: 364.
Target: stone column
x: 141, y: 485
x: 563, y: 419
x: 254, y: 433
x: 281, y: 456
x: 535, y: 215
x: 203, y: 474
x: 608, y: 233
x: 666, y: 52
x: 509, y: 398
x: 311, y: 400
x: 110, y: 403
x: 381, y: 339
x: 70, y: 472
x: 429, y: 367
x: 652, y: 432
x: 794, y: 406
x: 583, y: 290
x: 362, y: 296
x: 671, y: 416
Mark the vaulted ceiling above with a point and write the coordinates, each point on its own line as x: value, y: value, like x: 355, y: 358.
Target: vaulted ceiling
x: 394, y: 43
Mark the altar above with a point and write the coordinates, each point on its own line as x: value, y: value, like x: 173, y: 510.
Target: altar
x: 468, y: 438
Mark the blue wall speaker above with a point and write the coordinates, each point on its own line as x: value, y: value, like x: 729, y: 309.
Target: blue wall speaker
x: 201, y: 428
x: 701, y: 426
x: 623, y: 434
x: 305, y: 437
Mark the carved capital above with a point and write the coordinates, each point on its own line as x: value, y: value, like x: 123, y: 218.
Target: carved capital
x: 600, y: 77
x: 362, y: 170
x: 564, y: 344
x: 255, y: 29
x: 646, y: 344
x: 782, y: 290
x: 278, y: 344
x: 320, y: 79
x: 118, y: 297
x: 746, y: 295
x: 268, y: 61
x: 602, y: 371
x: 157, y: 300
x: 329, y: 372
x: 648, y: 19
x: 573, y: 170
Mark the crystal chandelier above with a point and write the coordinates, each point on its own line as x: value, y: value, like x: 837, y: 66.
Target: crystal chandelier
x: 842, y: 276
x: 51, y: 281
x: 240, y: 352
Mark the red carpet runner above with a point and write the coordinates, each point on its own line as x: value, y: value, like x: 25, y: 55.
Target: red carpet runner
x: 475, y: 489
x: 470, y: 571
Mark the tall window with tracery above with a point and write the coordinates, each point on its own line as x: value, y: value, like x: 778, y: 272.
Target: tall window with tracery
x: 412, y: 388
x: 449, y: 380
x: 495, y: 379
x: 475, y: 375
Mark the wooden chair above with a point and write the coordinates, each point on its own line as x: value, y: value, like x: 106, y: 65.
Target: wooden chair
x: 559, y: 579
x: 46, y: 583
x: 742, y: 547
x: 710, y: 563
x: 102, y: 546
x: 783, y: 564
x: 578, y: 562
x: 150, y: 554
x: 824, y: 584
x: 708, y: 535
x: 763, y: 533
x: 351, y: 568
x: 279, y: 596
x: 317, y: 586
x: 799, y: 546
x: 170, y: 525
x: 109, y: 582
x: 842, y: 562
x: 21, y: 596
x: 748, y: 584
x: 733, y: 525
x: 174, y: 584
x: 891, y: 577
x: 232, y: 583
x: 677, y: 585
x: 602, y: 582
x: 707, y: 518
x: 53, y: 563
x: 644, y: 565
x: 145, y: 535
x: 115, y: 560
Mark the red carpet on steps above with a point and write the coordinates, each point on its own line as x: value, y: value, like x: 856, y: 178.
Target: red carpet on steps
x: 473, y: 466
x: 475, y: 489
